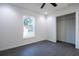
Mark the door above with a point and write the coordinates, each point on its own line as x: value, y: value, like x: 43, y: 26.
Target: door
x: 66, y: 28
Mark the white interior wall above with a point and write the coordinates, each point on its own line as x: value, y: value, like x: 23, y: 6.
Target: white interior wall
x: 42, y: 27
x: 68, y: 10
x: 51, y: 26
x: 11, y: 27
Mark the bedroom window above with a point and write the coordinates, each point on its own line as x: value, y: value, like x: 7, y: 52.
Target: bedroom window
x: 28, y: 27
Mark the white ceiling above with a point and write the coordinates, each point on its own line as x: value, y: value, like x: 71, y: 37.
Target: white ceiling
x: 35, y: 7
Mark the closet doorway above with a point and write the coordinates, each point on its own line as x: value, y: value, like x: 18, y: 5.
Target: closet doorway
x: 66, y: 28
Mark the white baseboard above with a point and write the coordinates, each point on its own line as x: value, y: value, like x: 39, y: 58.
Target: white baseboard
x: 14, y: 46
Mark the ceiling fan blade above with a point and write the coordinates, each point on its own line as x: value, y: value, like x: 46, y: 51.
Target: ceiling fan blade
x: 43, y: 5
x: 54, y: 4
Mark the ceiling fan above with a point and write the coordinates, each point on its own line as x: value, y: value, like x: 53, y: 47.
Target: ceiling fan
x: 53, y: 4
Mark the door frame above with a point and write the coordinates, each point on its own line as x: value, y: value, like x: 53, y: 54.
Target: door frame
x: 76, y: 26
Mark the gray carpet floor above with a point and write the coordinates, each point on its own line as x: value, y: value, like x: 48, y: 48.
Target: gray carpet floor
x: 43, y: 48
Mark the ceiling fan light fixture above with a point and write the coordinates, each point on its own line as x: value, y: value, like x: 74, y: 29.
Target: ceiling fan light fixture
x: 53, y: 4
x: 45, y: 13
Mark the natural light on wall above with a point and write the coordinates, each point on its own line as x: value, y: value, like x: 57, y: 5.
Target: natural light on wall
x: 28, y: 27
